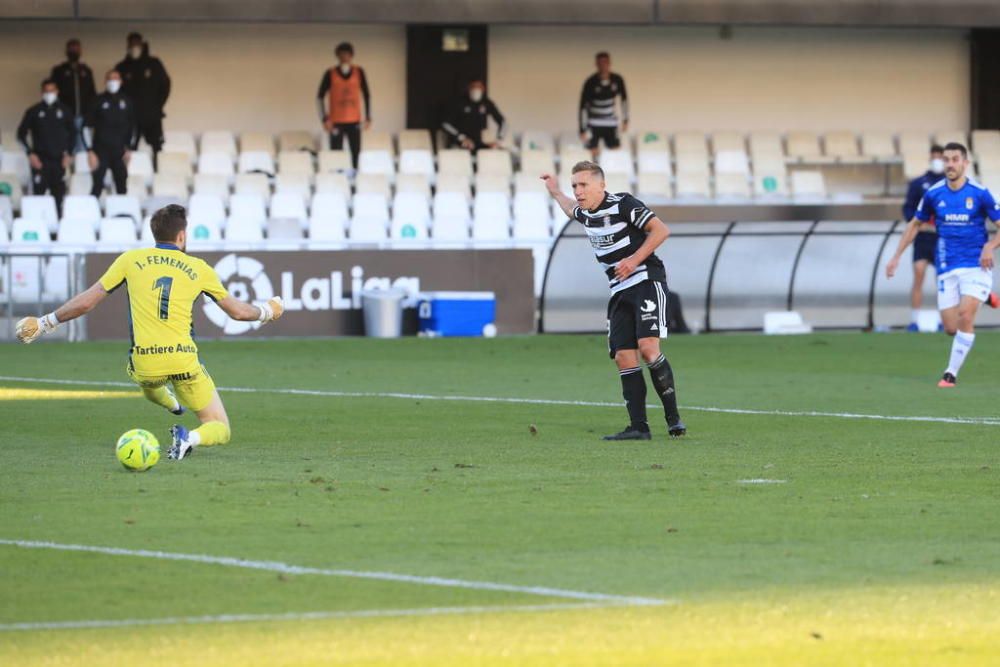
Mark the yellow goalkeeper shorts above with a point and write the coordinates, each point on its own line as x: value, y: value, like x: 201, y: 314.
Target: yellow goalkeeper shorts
x: 194, y: 389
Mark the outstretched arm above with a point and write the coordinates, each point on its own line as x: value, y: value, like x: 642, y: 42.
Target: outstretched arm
x: 247, y: 312
x: 565, y: 203
x: 30, y: 328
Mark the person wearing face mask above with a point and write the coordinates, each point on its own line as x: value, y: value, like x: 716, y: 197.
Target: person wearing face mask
x: 341, y: 91
x: 469, y: 117
x: 113, y: 121
x: 146, y: 83
x: 926, y: 239
x: 598, y: 120
x: 52, y: 136
x: 76, y: 86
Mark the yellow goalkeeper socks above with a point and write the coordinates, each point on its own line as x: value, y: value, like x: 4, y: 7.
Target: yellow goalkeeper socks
x: 162, y: 397
x: 210, y: 433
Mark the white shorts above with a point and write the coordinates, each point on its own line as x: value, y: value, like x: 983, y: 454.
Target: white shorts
x: 955, y: 284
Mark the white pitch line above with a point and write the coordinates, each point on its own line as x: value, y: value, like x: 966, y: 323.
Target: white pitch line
x: 297, y: 616
x: 975, y: 421
x: 761, y: 481
x: 285, y: 568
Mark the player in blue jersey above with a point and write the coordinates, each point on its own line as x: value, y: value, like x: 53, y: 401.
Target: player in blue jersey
x: 964, y: 254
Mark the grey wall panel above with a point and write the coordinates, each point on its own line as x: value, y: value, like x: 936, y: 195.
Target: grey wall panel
x: 36, y: 9
x: 387, y: 11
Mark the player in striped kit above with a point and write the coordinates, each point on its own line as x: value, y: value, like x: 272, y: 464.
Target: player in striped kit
x: 624, y: 235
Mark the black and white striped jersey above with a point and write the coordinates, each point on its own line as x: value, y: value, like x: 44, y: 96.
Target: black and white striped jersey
x: 597, y: 102
x: 617, y: 229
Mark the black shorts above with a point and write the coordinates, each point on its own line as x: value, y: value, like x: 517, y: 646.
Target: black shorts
x: 609, y: 135
x: 637, y: 312
x: 924, y: 246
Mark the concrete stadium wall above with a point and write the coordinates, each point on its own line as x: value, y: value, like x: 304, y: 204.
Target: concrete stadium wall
x: 259, y: 76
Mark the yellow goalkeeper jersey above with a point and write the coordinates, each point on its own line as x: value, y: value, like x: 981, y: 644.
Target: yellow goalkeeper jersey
x: 163, y: 284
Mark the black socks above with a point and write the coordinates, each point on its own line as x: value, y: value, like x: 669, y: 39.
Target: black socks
x: 634, y: 392
x: 663, y: 382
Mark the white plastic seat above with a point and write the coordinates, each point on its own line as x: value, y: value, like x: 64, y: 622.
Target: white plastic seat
x: 842, y: 145
x: 285, y: 229
x: 653, y: 185
x: 732, y: 162
x: 137, y: 187
x: 414, y: 183
x: 10, y: 186
x: 540, y: 140
x: 204, y: 231
x: 30, y: 230
x: 728, y: 141
x: 617, y: 182
x: 81, y: 163
x: 328, y: 216
x: 692, y: 185
x: 454, y: 183
x: 257, y: 142
x: 537, y: 162
x: 216, y: 162
x: 219, y: 141
x: 569, y: 156
x: 81, y: 184
x: 878, y: 145
x: 123, y: 206
x: 451, y: 217
x: 531, y: 216
x: 174, y: 164
x: 495, y: 162
x: 297, y: 140
x: 289, y: 206
x: 146, y: 230
x: 208, y: 209
x: 27, y: 273
x: 770, y: 180
x: 40, y: 207
x: 179, y: 141
x: 17, y: 164
x: 414, y: 140
x: 617, y: 161
x: 410, y: 216
x: 570, y: 139
x: 766, y: 146
x: 247, y: 208
x: 333, y: 183
x: 76, y: 232
x: 692, y: 163
x: 808, y: 185
x: 377, y: 162
x: 417, y: 161
x: 690, y: 143
x: 733, y: 185
x: 372, y: 184
x: 334, y: 161
x: 296, y: 162
x: 293, y: 184
x: 455, y: 161
x: 491, y: 216
x: 117, y: 230
x: 212, y: 184
x: 257, y: 184
x: 375, y: 140
x: 493, y: 183
x: 803, y: 146
x: 528, y: 182
x: 654, y: 162
x: 140, y: 164
x: 651, y: 141
x: 256, y: 162
x: 370, y: 220
x: 244, y: 230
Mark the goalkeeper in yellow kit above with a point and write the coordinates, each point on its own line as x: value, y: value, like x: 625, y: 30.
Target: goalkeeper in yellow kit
x: 162, y: 285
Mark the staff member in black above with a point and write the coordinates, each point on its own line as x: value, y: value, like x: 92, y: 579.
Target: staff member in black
x: 115, y: 135
x: 50, y: 125
x: 598, y: 120
x: 76, y: 86
x: 145, y: 81
x: 468, y: 119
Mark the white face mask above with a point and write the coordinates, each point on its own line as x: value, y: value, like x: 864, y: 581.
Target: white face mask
x: 937, y: 165
x: 476, y: 94
x: 49, y: 98
x: 135, y: 52
x: 345, y: 68
x: 114, y: 85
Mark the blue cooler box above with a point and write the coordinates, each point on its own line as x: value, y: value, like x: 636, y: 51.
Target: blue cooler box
x: 457, y: 313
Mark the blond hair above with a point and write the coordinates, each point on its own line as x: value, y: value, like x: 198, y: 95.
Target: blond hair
x: 590, y: 166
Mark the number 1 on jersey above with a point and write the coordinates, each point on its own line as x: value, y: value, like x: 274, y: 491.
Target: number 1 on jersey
x: 164, y: 284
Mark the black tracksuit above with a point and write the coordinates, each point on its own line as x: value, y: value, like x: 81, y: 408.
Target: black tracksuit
x: 52, y: 137
x: 76, y: 86
x: 467, y: 120
x: 115, y: 131
x: 145, y: 81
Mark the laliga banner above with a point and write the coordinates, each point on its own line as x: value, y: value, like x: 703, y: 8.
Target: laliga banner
x: 322, y: 289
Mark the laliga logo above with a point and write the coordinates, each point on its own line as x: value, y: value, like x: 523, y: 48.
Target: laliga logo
x: 245, y: 279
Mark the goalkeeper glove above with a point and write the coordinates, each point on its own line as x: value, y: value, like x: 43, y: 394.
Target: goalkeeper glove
x: 271, y: 310
x: 30, y: 328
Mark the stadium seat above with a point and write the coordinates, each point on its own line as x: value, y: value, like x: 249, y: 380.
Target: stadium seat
x: 842, y: 145
x: 652, y: 185
x: 537, y: 162
x: 247, y: 208
x: 124, y: 206
x: 296, y: 162
x: 6, y: 211
x: 212, y: 184
x: 732, y: 162
x: 257, y: 142
x: 30, y: 230
x: 257, y: 184
x: 203, y: 231
x: 207, y: 209
x: 17, y: 164
x: 878, y: 145
x: 692, y: 163
x: 297, y: 141
x: 770, y: 181
x: 378, y: 162
x: 414, y: 140
x: 40, y: 207
x: 334, y: 161
x: 493, y: 183
x: 617, y: 161
x: 766, y: 146
x: 370, y: 221
x: 244, y: 230
x: 529, y: 182
x: 173, y: 164
x: 915, y: 164
x: 140, y: 164
x: 328, y: 216
x: 655, y: 162
x: 10, y: 186
x: 491, y: 216
x: 373, y: 140
x: 537, y: 140
x: 26, y: 273
x: 285, y: 229
x: 728, y: 141
x: 615, y: 182
x: 570, y: 141
x: 251, y: 162
x: 569, y: 156
x: 372, y: 184
x: 531, y: 216
x: 414, y: 183
x: 117, y: 231
x: 179, y: 141
x: 289, y: 206
x: 914, y: 142
x: 297, y: 184
x: 75, y: 232
x: 81, y: 163
x: 410, y: 216
x: 215, y: 162
x: 691, y: 144
x: 417, y: 162
x: 808, y: 185
x: 455, y: 162
x: 338, y: 183
x: 732, y: 185
x: 692, y: 185
x: 451, y: 217
x: 81, y: 184
x: 219, y: 141
x: 136, y: 187
x: 8, y: 140
x: 494, y: 163
x: 803, y: 147
x: 154, y: 203
x: 651, y: 141
x: 455, y: 183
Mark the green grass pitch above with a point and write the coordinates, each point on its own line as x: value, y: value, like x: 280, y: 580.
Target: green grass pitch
x: 877, y: 542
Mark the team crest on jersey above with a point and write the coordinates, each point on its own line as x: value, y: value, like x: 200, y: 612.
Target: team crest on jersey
x: 148, y: 73
x: 968, y: 203
x: 606, y: 220
x: 121, y: 104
